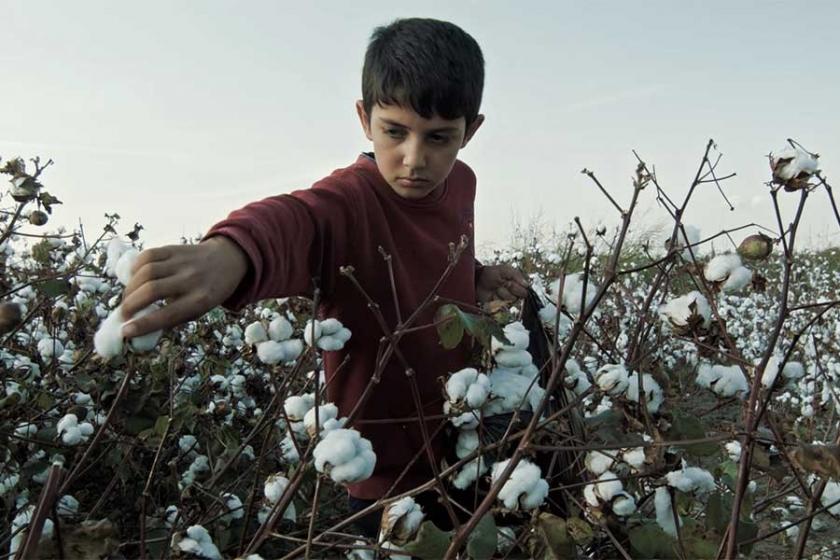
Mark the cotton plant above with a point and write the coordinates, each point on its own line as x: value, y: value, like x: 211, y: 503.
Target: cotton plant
x: 525, y: 489
x: 728, y: 272
x: 328, y: 335
x: 345, y: 456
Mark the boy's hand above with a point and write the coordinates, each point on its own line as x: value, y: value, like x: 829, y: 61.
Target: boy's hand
x: 192, y: 279
x: 500, y: 281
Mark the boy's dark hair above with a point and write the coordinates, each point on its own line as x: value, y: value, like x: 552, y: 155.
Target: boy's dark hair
x: 432, y: 66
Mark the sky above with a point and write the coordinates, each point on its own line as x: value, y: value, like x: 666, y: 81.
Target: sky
x: 173, y: 114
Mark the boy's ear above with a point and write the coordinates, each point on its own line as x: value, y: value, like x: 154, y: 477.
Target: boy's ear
x: 468, y: 134
x: 364, y: 118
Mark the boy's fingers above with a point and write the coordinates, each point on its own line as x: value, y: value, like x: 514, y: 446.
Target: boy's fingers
x: 517, y: 289
x: 175, y: 313
x: 505, y: 294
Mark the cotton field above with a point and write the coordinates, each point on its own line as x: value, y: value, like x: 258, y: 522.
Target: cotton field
x: 651, y: 398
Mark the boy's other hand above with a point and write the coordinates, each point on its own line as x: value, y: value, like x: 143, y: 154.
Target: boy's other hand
x: 500, y: 281
x: 192, y: 279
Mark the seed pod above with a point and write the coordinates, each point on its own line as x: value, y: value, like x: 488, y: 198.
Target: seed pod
x: 38, y: 218
x: 10, y: 316
x: 756, y: 247
x: 24, y: 188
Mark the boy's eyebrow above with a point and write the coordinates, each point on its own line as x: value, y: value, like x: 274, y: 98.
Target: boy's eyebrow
x: 395, y: 123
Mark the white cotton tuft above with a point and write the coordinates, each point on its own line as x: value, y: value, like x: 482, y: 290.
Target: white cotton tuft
x: 466, y: 443
x: 312, y: 331
x: 297, y: 406
x: 513, y: 358
x: 516, y: 333
x: 793, y: 370
x: 271, y: 352
x: 654, y: 396
x: 664, y: 511
x: 327, y: 419
x: 125, y: 263
x: 345, y: 455
x: 831, y: 495
x: 49, y: 348
x: 612, y: 379
x: 116, y: 248
x: 573, y: 292
x: 720, y: 267
x: 733, y: 450
x: 725, y: 381
x: 791, y: 163
x: 686, y: 311
x: 739, y: 279
x: 148, y: 341
x: 469, y: 473
x: 623, y: 505
x: 280, y: 329
x: 771, y: 371
x: 525, y: 488
x: 254, y: 333
x: 691, y: 479
x: 198, y: 542
x: 510, y: 391
x: 597, y: 462
x: 401, y: 520
x: 468, y: 387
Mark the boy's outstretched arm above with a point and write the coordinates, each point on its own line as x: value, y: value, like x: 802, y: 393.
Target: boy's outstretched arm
x: 500, y: 282
x: 192, y: 279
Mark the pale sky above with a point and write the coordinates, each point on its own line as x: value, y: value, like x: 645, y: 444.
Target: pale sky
x: 175, y: 113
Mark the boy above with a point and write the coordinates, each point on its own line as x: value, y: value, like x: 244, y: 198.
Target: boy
x: 422, y: 83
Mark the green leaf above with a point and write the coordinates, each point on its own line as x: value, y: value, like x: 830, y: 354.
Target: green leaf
x: 650, y: 541
x: 136, y: 424
x: 430, y: 543
x: 482, y: 541
x: 54, y: 288
x: 698, y: 547
x: 449, y: 326
x: 718, y: 509
x: 579, y: 530
x: 552, y: 536
x: 687, y: 426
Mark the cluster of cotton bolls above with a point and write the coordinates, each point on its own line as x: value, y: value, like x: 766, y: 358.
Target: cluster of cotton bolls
x: 109, y: 339
x: 728, y: 272
x: 328, y: 335
x: 615, y: 380
x: 345, y: 456
x: 71, y: 431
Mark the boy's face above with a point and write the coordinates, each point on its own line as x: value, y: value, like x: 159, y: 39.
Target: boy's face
x: 414, y: 154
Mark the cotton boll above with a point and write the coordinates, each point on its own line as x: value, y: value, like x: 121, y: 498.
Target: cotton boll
x: 292, y: 349
x: 516, y: 333
x: 634, y: 457
x: 470, y: 472
x: 691, y: 479
x: 116, y: 248
x: 297, y: 406
x: 401, y: 520
x: 793, y: 370
x: 623, y: 505
x: 188, y: 444
x: 148, y: 341
x: 233, y: 506
x: 664, y: 511
x: 345, y: 455
x: 280, y: 329
x: 108, y: 340
x: 326, y: 412
x: 312, y: 332
x: 271, y: 352
x: 67, y: 506
x: 738, y: 279
x: 510, y: 392
x: 524, y: 488
x: 255, y: 333
x: 831, y: 495
x: 330, y: 343
x: 688, y: 311
x: 654, y: 395
x: 124, y: 265
x: 330, y: 326
x: 458, y: 382
x: 50, y: 347
x: 612, y: 379
x: 793, y: 163
x: 733, y: 450
x: 466, y: 443
x: 198, y: 542
x: 771, y: 370
x: 597, y: 462
x: 513, y: 358
x: 720, y: 267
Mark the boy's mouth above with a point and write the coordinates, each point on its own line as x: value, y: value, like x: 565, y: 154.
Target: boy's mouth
x: 411, y: 181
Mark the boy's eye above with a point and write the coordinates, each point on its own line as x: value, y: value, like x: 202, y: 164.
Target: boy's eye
x: 395, y: 132
x: 439, y: 138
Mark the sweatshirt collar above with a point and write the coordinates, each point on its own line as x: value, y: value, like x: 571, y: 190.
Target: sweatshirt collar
x: 367, y: 162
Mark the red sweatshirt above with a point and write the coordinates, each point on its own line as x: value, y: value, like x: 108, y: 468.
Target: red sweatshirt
x: 342, y: 220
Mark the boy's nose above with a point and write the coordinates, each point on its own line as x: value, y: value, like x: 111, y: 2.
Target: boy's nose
x: 414, y: 156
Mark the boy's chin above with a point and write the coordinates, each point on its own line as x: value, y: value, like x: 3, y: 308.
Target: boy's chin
x: 412, y: 193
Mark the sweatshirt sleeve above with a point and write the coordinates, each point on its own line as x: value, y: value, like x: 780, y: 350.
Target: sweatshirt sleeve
x: 289, y: 240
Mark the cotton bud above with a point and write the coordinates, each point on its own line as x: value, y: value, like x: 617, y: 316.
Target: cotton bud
x: 254, y: 333
x: 345, y: 455
x: 38, y: 218
x: 687, y: 313
x: 525, y: 488
x: 280, y: 329
x: 400, y: 521
x: 792, y: 167
x: 756, y: 247
x: 10, y: 317
x: 467, y: 388
x: 612, y: 379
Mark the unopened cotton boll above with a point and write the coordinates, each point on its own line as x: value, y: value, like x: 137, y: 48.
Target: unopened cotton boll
x: 124, y: 265
x: 401, y: 520
x: 280, y: 329
x: 254, y: 333
x: 525, y: 488
x: 345, y: 455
